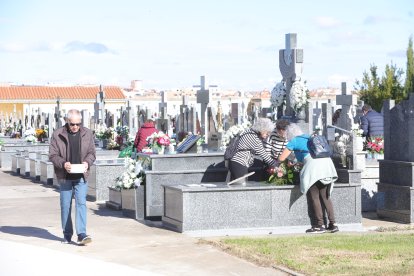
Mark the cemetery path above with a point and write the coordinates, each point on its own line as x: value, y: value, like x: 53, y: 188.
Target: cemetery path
x: 30, y: 241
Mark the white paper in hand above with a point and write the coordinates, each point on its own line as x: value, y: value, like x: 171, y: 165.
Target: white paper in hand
x: 77, y: 168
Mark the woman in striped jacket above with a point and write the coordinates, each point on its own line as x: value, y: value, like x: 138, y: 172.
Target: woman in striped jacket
x: 251, y: 144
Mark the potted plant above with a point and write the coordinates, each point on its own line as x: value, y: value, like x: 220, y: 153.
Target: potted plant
x: 131, y: 186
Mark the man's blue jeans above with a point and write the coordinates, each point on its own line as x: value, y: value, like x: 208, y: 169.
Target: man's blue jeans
x: 67, y: 187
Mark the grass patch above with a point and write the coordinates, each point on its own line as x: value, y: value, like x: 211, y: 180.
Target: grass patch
x: 330, y: 254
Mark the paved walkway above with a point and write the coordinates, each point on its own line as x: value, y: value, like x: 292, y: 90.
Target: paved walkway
x: 30, y: 238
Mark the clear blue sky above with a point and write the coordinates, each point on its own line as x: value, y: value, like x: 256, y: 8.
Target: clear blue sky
x: 169, y: 44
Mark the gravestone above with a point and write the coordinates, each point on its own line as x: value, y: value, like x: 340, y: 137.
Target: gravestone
x: 163, y: 122
x: 396, y: 171
x: 213, y: 139
x: 237, y: 113
x: 85, y: 118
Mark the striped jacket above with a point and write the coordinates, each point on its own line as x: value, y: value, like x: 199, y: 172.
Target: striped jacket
x: 274, y: 145
x: 250, y: 145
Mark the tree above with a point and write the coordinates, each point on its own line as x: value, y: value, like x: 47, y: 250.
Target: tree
x: 369, y: 88
x: 391, y: 84
x: 373, y: 90
x: 409, y: 77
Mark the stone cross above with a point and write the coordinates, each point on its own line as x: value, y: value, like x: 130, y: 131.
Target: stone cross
x: 163, y: 106
x: 290, y: 65
x: 203, y: 98
x: 99, y: 106
x: 183, y: 119
x: 57, y: 114
x: 348, y: 112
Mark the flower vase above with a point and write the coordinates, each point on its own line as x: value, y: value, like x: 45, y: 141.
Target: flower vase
x: 343, y: 160
x: 301, y: 115
x: 380, y: 156
x: 104, y: 143
x: 161, y: 150
x: 359, y: 143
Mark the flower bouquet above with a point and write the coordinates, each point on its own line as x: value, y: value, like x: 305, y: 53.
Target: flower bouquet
x: 30, y: 135
x: 375, y: 146
x: 132, y: 176
x: 158, y: 141
x: 103, y: 133
x: 41, y: 133
x: 286, y: 173
x: 298, y: 96
x: 357, y: 130
x: 122, y: 131
x: 278, y: 94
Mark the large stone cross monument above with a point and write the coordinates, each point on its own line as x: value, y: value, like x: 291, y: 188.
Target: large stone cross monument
x: 203, y: 97
x: 290, y: 65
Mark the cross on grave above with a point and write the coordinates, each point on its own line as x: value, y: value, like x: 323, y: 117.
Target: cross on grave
x: 128, y: 114
x: 203, y: 98
x: 348, y: 112
x: 183, y: 117
x: 163, y: 122
x: 99, y: 107
x: 290, y: 65
x: 163, y: 106
x: 57, y: 114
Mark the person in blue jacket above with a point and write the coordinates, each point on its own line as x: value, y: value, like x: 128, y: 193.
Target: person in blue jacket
x: 372, y: 122
x: 317, y: 179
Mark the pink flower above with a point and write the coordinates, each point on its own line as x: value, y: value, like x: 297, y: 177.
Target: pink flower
x: 279, y: 174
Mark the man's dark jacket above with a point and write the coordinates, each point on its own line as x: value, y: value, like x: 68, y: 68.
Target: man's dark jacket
x: 372, y: 124
x: 59, y: 150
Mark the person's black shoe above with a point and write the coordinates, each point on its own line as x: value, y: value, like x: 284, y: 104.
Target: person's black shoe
x: 67, y: 240
x: 332, y: 228
x: 316, y: 230
x: 84, y: 239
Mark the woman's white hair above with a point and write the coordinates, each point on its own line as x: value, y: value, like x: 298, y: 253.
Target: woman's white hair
x: 293, y: 130
x: 263, y: 125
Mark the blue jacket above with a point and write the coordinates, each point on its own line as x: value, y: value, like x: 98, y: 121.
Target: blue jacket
x: 372, y: 124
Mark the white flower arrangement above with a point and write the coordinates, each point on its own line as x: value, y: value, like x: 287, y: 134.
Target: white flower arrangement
x: 298, y: 95
x: 134, y: 174
x: 278, y: 95
x: 342, y: 145
x: 357, y: 130
x: 30, y: 135
x: 233, y: 131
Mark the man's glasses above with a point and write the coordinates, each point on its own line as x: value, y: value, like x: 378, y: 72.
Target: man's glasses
x: 71, y: 124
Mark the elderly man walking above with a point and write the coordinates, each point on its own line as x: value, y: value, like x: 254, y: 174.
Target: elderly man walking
x: 72, y: 152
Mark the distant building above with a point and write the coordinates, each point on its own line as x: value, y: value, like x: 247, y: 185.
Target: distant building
x: 27, y: 100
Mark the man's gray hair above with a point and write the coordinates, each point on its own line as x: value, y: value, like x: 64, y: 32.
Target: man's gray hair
x: 74, y: 113
x: 292, y: 131
x: 263, y: 125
